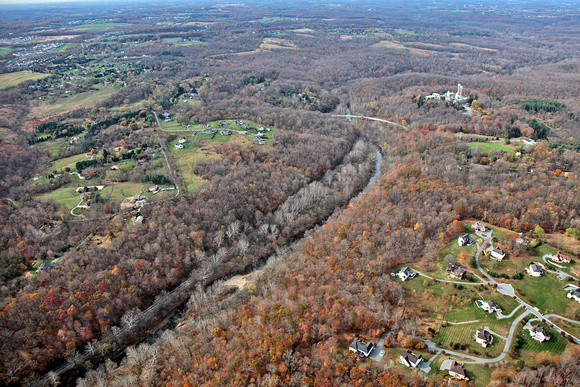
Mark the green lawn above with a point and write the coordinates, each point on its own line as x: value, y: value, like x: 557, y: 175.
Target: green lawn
x: 70, y: 162
x: 186, y: 158
x: 16, y: 78
x: 119, y: 191
x: 454, y: 249
x: 555, y: 346
x: 573, y: 329
x: 470, y: 311
x: 64, y: 195
x: 480, y: 374
x: 464, y: 334
x: 491, y: 146
x: 5, y: 49
x: 546, y: 292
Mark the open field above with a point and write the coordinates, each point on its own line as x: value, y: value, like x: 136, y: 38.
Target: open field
x: 76, y: 101
x: 470, y: 46
x: 186, y: 159
x: 64, y: 195
x: 491, y: 146
x: 119, y: 191
x: 16, y: 78
x: 546, y: 293
x: 99, y: 27
x: 70, y: 162
x: 5, y: 49
x: 303, y: 31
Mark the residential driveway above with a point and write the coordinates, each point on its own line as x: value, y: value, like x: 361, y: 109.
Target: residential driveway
x: 378, y: 352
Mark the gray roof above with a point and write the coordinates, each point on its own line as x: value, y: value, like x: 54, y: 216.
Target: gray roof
x: 407, y: 270
x: 535, y: 267
x: 358, y: 345
x: 483, y: 334
x: 497, y: 250
x: 575, y: 292
x: 540, y: 329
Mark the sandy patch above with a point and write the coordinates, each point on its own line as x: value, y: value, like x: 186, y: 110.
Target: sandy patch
x: 242, y: 280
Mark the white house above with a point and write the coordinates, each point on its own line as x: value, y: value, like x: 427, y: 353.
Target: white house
x: 465, y: 240
x: 182, y: 140
x: 478, y: 226
x: 490, y: 306
x: 409, y: 359
x: 534, y: 270
x: 575, y: 294
x: 498, y: 254
x: 361, y: 348
x: 539, y: 333
x: 406, y: 273
x: 457, y: 370
x: 562, y: 258
x: 178, y: 146
x: 483, y: 337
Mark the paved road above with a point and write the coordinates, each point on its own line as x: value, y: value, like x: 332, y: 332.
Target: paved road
x: 349, y: 116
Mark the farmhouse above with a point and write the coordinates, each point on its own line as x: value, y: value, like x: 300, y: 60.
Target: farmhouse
x: 458, y: 273
x: 178, y: 146
x: 483, y: 337
x: 490, y: 306
x: 409, y: 359
x: 361, y: 348
x: 457, y: 370
x: 574, y: 294
x: 498, y: 254
x: 465, y: 240
x: 167, y: 119
x: 534, y: 270
x: 406, y: 273
x: 539, y: 333
x: 562, y: 258
x: 182, y: 140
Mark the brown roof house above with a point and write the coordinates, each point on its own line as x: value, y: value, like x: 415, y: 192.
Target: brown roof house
x: 562, y: 258
x: 483, y: 337
x: 409, y: 359
x: 457, y: 370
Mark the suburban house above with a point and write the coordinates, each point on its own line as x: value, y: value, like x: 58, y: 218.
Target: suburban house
x: 498, y: 254
x: 490, y: 306
x: 178, y: 146
x: 478, y: 226
x: 465, y: 240
x: 223, y: 122
x: 182, y: 140
x: 539, y: 333
x: 406, y: 273
x: 225, y: 132
x: 361, y: 348
x: 458, y: 273
x: 167, y: 119
x: 457, y: 370
x: 483, y: 337
x: 409, y: 359
x: 575, y: 294
x: 562, y: 258
x: 534, y: 270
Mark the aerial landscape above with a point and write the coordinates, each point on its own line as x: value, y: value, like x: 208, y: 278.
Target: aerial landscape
x: 345, y: 193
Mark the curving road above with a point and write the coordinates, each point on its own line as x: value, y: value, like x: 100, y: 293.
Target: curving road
x: 507, y: 290
x: 349, y: 116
